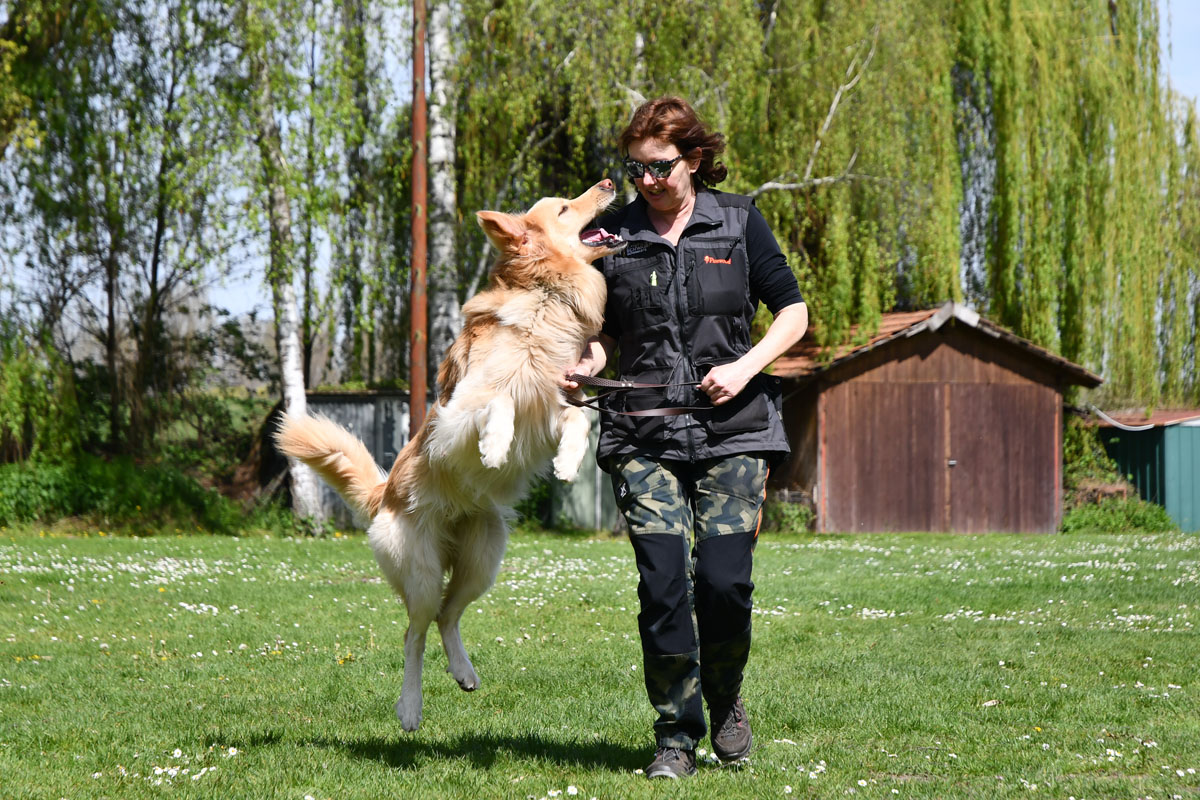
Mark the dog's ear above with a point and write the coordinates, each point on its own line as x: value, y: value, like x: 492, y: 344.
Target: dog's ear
x: 506, y: 232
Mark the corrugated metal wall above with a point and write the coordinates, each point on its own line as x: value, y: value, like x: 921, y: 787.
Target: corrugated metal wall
x: 1164, y: 465
x: 1181, y: 461
x: 1140, y: 457
x: 379, y: 419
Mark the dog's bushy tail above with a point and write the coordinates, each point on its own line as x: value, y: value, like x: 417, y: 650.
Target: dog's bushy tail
x: 337, y: 456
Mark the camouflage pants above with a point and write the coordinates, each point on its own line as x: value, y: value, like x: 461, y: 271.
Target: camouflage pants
x: 693, y: 528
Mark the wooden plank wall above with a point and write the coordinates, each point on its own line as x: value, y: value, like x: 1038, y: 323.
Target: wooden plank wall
x: 944, y: 431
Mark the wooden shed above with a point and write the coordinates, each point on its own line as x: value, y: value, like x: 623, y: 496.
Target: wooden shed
x: 1160, y: 454
x: 941, y: 421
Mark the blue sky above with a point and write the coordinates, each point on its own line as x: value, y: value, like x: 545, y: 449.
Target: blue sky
x: 1180, y: 20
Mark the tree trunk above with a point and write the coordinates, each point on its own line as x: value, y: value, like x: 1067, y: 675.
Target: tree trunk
x: 353, y: 259
x: 305, y: 496
x: 110, y: 353
x: 445, y: 312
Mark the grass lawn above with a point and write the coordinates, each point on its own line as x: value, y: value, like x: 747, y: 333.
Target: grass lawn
x: 884, y: 666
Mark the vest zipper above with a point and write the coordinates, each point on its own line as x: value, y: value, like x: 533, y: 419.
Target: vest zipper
x: 685, y: 345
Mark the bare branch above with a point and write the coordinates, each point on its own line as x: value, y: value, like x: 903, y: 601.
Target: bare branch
x: 837, y: 98
x: 846, y: 176
x: 769, y: 24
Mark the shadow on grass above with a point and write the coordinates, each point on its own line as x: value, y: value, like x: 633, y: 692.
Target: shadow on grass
x: 483, y: 750
x: 410, y: 752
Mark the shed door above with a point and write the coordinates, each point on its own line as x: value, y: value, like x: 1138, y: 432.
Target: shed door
x: 967, y: 458
x: 1004, y: 445
x: 885, y: 454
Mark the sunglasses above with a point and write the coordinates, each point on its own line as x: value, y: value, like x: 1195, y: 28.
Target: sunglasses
x: 658, y: 169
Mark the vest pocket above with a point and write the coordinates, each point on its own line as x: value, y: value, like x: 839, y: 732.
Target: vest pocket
x: 749, y: 411
x: 639, y: 286
x: 718, y: 282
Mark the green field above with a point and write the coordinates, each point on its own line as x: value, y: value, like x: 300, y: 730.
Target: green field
x: 884, y: 666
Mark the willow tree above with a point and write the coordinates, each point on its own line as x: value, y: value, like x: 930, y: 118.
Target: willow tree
x: 545, y: 89
x: 1084, y: 237
x: 1024, y: 156
x: 861, y: 98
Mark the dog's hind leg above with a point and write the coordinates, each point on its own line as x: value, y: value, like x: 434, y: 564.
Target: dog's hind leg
x: 573, y: 427
x: 422, y: 592
x: 496, y: 431
x: 476, y: 563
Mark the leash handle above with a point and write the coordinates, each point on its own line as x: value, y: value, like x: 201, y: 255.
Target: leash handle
x: 617, y: 386
x: 605, y: 383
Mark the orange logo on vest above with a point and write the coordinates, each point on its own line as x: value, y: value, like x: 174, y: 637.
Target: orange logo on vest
x: 711, y: 260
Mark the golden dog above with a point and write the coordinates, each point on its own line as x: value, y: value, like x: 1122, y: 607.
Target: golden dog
x: 499, y: 418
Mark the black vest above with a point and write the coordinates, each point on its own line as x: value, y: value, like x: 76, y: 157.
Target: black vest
x: 677, y: 312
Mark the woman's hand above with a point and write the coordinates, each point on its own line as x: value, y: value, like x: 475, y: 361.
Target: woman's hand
x: 725, y: 382
x: 595, y: 355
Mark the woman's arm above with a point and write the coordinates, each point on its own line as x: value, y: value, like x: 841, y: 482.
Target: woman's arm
x: 724, y: 382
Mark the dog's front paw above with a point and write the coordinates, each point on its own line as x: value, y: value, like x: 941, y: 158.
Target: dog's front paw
x: 566, y: 466
x: 409, y: 713
x: 494, y: 451
x: 496, y: 432
x: 572, y: 444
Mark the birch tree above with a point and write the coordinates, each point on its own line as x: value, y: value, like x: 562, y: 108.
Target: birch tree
x: 445, y: 318
x: 275, y: 179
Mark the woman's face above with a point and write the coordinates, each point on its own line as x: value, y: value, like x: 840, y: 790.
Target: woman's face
x: 665, y: 195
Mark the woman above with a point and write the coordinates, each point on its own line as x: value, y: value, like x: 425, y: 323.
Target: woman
x: 681, y: 298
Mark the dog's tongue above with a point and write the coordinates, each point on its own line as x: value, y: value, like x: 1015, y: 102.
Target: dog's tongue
x: 595, y: 235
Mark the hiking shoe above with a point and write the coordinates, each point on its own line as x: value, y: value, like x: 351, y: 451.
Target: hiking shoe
x: 672, y: 763
x: 731, y: 737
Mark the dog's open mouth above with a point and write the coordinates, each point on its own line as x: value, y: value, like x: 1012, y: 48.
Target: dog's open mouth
x: 598, y: 237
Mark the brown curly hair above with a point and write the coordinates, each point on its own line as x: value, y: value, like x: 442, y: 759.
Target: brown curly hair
x: 672, y: 119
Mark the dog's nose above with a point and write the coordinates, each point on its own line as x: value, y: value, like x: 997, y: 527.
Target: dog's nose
x: 607, y: 185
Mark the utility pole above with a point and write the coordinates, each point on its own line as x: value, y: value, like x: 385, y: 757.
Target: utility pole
x: 418, y: 367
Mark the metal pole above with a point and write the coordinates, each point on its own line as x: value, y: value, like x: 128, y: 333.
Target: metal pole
x: 418, y: 370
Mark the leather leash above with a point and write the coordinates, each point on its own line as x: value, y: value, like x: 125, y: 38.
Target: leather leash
x: 620, y: 386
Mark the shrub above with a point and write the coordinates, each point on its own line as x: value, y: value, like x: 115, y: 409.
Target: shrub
x: 1084, y: 457
x: 784, y: 517
x: 118, y: 491
x: 1118, y: 515
x: 39, y: 413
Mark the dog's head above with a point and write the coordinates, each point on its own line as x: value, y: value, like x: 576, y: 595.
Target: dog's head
x: 553, y: 231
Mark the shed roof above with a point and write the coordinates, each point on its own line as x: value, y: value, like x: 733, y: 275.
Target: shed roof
x: 806, y: 358
x: 1158, y: 418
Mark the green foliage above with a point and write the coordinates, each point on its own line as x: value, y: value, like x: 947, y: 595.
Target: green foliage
x: 536, y: 508
x: 1118, y: 515
x: 782, y: 517
x: 1084, y: 456
x: 39, y: 410
x: 1088, y: 469
x: 117, y: 493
